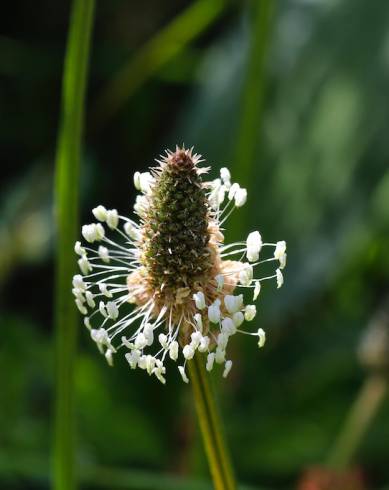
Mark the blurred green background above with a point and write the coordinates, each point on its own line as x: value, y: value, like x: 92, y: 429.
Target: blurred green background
x: 307, y: 132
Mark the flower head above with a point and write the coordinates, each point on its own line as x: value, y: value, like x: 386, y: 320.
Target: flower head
x: 168, y: 286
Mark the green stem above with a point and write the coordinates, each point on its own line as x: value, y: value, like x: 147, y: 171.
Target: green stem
x: 358, y: 421
x: 210, y: 425
x: 66, y: 207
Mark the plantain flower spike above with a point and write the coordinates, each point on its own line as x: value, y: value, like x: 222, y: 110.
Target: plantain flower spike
x: 167, y: 285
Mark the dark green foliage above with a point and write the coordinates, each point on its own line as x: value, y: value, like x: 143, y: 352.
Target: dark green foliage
x: 176, y: 246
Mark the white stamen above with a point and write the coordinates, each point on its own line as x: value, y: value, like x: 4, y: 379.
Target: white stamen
x: 100, y: 213
x: 173, y: 350
x: 188, y: 352
x: 249, y: 312
x: 199, y: 300
x: 233, y: 303
x: 257, y: 290
x: 254, y: 245
x: 280, y: 278
x: 214, y: 312
x: 240, y: 197
x: 104, y: 254
x: 183, y: 374
x: 112, y: 219
x: 210, y: 361
x: 261, y: 337
x: 246, y: 275
x: 227, y: 368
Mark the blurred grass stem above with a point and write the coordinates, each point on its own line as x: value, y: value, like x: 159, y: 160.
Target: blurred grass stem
x: 66, y: 207
x: 210, y: 425
x: 249, y: 120
x: 158, y: 51
x: 358, y: 421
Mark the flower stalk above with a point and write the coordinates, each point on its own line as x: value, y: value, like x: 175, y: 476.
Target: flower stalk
x: 66, y: 207
x: 210, y: 426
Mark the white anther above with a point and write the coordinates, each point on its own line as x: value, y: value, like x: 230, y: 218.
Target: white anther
x: 261, y: 337
x: 145, y: 182
x: 102, y: 309
x: 142, y: 362
x: 199, y: 321
x: 225, y: 176
x: 89, y: 299
x: 228, y: 327
x: 253, y: 246
x: 104, y: 254
x: 87, y: 323
x: 109, y: 357
x: 137, y: 181
x: 140, y: 341
x: 204, y: 344
x: 240, y: 197
x: 214, y: 312
x: 280, y: 250
x: 79, y: 249
x: 196, y: 339
x: 78, y: 282
x: 257, y: 290
x: 183, y: 374
x: 249, y: 312
x: 220, y: 282
x: 78, y: 294
x: 127, y: 344
x: 112, y: 219
x: 148, y: 332
x: 246, y: 275
x: 132, y: 231
x: 280, y: 278
x: 150, y: 363
x: 233, y: 190
x: 238, y: 318
x: 112, y: 310
x: 227, y: 368
x: 93, y: 232
x: 199, y: 300
x: 104, y: 290
x: 100, y: 213
x: 141, y: 205
x: 233, y: 303
x: 133, y: 358
x: 100, y: 336
x: 163, y: 340
x: 173, y: 350
x: 81, y: 307
x: 210, y: 361
x: 188, y: 351
x: 222, y: 340
x: 84, y: 265
x: 220, y: 355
